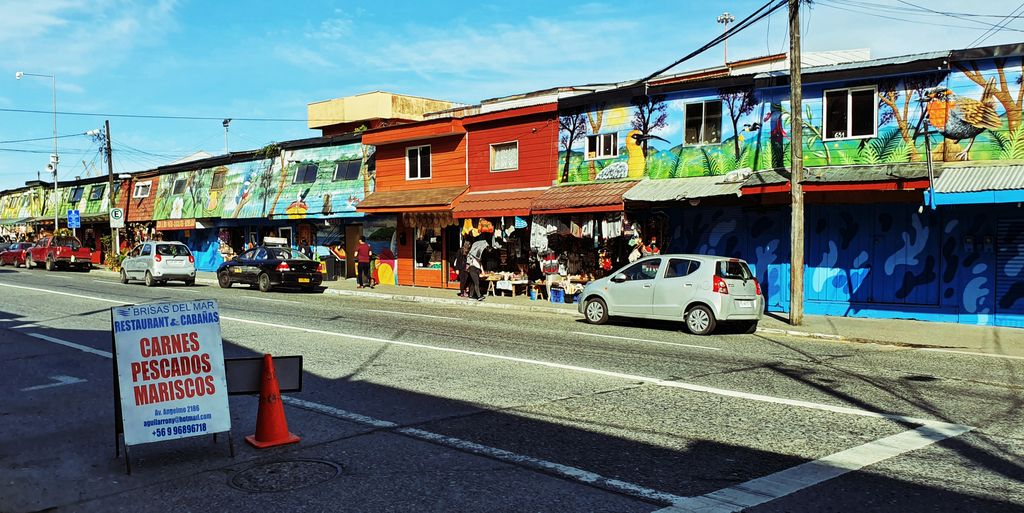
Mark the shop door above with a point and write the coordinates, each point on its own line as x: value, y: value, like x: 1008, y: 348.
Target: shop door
x: 1010, y: 272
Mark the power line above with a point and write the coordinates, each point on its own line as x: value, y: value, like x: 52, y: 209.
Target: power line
x: 828, y: 3
x: 925, y: 10
x: 50, y: 138
x: 157, y: 116
x: 995, y: 30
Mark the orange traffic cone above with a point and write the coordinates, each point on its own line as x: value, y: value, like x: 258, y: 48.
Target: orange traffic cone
x: 271, y: 426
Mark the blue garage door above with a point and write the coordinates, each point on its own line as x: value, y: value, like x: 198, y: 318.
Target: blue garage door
x: 1010, y: 272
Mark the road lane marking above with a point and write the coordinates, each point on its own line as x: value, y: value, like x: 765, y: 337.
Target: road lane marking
x: 566, y: 471
x: 61, y: 381
x: 414, y: 314
x: 108, y: 282
x: 989, y: 355
x: 780, y: 484
x: 645, y: 340
x: 274, y: 300
x: 80, y: 347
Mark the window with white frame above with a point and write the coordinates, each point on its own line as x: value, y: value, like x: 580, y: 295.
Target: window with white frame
x: 347, y: 170
x: 850, y: 113
x: 97, y: 191
x: 306, y: 172
x: 505, y: 156
x: 602, y: 146
x: 702, y: 122
x: 76, y: 194
x: 417, y: 162
x: 142, y: 189
x: 179, y: 186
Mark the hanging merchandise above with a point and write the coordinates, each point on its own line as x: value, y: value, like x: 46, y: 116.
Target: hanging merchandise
x: 612, y: 226
x: 574, y: 228
x: 467, y: 227
x: 486, y: 226
x: 520, y: 223
x: 587, y: 230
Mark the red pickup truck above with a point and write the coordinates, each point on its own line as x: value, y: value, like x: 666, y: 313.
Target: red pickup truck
x: 59, y: 251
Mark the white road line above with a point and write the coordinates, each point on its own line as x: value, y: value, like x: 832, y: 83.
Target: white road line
x: 57, y: 276
x: 989, y: 355
x: 414, y: 314
x: 274, y: 300
x: 80, y: 347
x: 573, y: 473
x: 108, y: 282
x: 61, y: 381
x: 764, y: 489
x: 645, y: 340
x: 620, y: 375
x: 80, y: 296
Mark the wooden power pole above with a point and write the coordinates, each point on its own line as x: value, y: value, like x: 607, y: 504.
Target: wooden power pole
x: 796, y: 169
x: 115, y: 244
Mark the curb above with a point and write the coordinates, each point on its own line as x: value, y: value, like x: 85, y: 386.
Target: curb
x: 810, y: 334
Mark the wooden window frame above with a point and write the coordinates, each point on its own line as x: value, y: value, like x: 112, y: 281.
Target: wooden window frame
x: 493, y: 151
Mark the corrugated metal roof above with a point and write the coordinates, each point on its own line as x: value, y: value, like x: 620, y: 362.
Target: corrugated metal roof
x: 679, y: 189
x: 415, y: 198
x: 582, y: 196
x: 980, y: 178
x: 885, y: 61
x: 494, y: 204
x: 843, y: 174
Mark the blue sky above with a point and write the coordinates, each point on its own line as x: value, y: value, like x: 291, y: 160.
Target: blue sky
x: 269, y: 59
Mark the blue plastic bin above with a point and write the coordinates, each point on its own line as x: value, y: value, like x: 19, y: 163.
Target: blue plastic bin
x: 557, y: 295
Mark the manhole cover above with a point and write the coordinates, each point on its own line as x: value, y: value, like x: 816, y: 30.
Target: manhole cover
x: 281, y: 476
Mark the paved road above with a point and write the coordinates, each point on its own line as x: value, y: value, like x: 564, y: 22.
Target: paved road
x: 420, y: 407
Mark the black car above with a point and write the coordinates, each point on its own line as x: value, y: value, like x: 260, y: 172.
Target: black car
x: 268, y: 266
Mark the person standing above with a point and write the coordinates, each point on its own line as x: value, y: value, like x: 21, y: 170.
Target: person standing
x: 305, y: 249
x: 474, y: 268
x: 462, y: 270
x: 363, y: 253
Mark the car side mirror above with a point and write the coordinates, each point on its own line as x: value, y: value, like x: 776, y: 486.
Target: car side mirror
x: 619, y: 278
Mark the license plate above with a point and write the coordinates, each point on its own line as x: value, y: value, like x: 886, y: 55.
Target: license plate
x: 303, y: 280
x: 744, y: 304
x: 175, y: 263
x: 72, y: 258
x: 236, y: 269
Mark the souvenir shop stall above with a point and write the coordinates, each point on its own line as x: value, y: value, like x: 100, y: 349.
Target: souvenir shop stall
x: 502, y: 244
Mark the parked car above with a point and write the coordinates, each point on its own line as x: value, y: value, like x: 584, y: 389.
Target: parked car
x: 700, y: 290
x: 16, y: 254
x: 54, y: 252
x: 156, y: 262
x: 269, y: 266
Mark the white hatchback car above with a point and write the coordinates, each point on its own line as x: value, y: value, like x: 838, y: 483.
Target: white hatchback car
x: 700, y: 290
x: 159, y: 262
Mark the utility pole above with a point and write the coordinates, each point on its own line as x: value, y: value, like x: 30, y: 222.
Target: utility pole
x: 114, y: 233
x: 725, y: 18
x: 226, y: 122
x: 796, y: 172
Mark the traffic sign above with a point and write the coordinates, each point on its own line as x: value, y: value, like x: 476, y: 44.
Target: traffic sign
x: 117, y: 218
x: 74, y: 219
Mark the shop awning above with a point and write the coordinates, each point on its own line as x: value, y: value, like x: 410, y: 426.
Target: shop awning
x: 95, y: 218
x: 861, y: 177
x: 10, y: 222
x: 419, y: 200
x: 496, y: 204
x: 582, y: 198
x: 962, y: 185
x: 681, y: 189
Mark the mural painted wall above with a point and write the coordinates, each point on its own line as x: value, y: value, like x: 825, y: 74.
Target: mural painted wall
x: 884, y: 260
x: 25, y: 203
x: 975, y: 111
x: 265, y: 187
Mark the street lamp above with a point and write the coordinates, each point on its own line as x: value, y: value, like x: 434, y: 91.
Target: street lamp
x: 55, y: 158
x: 725, y: 18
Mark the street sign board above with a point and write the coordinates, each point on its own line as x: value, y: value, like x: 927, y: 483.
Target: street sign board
x: 74, y: 219
x: 170, y: 370
x: 117, y: 218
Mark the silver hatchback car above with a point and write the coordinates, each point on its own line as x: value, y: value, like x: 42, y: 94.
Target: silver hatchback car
x: 157, y: 262
x: 700, y: 290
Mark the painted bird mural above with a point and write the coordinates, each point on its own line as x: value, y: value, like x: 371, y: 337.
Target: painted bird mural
x: 636, y: 163
x: 958, y: 118
x: 298, y: 208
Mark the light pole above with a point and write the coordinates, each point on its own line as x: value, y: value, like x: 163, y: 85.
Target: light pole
x: 55, y: 159
x: 226, y: 122
x: 725, y: 18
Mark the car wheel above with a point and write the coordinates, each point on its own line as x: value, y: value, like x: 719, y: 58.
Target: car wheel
x: 700, y: 320
x: 150, y: 282
x: 124, y: 276
x: 224, y: 281
x: 2, y: 263
x: 595, y: 311
x: 746, y: 327
x: 86, y: 268
x: 189, y: 283
x: 264, y: 282
x: 50, y: 265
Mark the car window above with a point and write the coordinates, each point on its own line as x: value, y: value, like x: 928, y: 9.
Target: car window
x: 734, y: 269
x: 68, y: 241
x: 261, y: 254
x: 146, y: 250
x: 171, y: 250
x: 248, y: 255
x: 680, y: 267
x: 645, y: 270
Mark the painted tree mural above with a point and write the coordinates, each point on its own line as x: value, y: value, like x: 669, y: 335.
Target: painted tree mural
x: 739, y: 102
x: 573, y: 126
x: 595, y: 118
x: 651, y: 114
x: 1011, y: 104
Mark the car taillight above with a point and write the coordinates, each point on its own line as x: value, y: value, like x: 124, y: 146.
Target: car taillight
x: 321, y: 267
x: 191, y: 259
x: 283, y: 266
x: 720, y: 286
x: 157, y: 257
x: 757, y: 287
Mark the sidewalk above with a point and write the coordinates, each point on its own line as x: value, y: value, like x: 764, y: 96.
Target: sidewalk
x: 909, y: 333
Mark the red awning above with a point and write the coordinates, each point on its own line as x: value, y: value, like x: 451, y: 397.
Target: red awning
x: 590, y: 197
x: 496, y: 204
x: 416, y: 200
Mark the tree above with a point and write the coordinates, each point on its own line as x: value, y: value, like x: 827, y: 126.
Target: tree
x: 197, y: 190
x: 908, y: 89
x: 574, y: 127
x: 650, y: 115
x: 1002, y: 92
x: 740, y: 101
x: 595, y: 121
